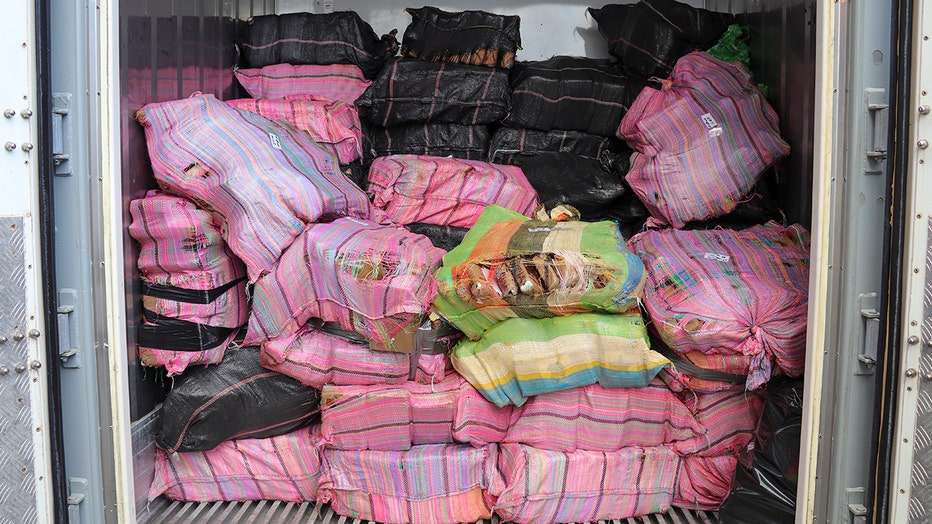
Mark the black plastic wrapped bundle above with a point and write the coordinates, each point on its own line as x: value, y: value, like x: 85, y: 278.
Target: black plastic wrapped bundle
x: 573, y: 93
x: 411, y: 91
x: 237, y: 398
x: 565, y: 178
x: 304, y: 38
x: 458, y: 141
x: 465, y: 37
x: 444, y: 237
x: 507, y: 141
x: 650, y: 36
x: 766, y: 491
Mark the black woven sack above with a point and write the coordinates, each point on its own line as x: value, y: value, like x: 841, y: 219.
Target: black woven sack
x: 650, y: 36
x: 305, y: 38
x: 565, y: 178
x: 444, y: 237
x: 458, y: 141
x: 571, y: 93
x: 237, y: 398
x: 508, y: 141
x: 465, y: 37
x: 411, y: 91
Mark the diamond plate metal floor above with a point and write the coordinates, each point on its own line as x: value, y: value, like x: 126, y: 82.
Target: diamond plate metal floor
x: 267, y: 511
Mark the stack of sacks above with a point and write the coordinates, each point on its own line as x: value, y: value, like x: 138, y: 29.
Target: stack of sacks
x: 236, y: 431
x: 263, y: 181
x: 450, y: 84
x: 702, y: 140
x: 434, y: 193
x: 728, y: 304
x: 308, y: 70
x: 427, y: 431
x: 564, y: 114
x: 193, y: 287
x: 411, y: 453
x: 547, y: 308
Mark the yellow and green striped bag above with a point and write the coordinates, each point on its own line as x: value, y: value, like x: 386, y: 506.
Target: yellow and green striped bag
x: 509, y: 266
x: 521, y: 357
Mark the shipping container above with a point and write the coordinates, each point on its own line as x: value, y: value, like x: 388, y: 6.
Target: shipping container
x: 849, y: 82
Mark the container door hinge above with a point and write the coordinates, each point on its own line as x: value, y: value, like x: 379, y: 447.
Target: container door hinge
x: 857, y: 511
x: 77, y: 493
x: 61, y: 133
x: 878, y: 113
x: 67, y: 353
x: 870, y: 333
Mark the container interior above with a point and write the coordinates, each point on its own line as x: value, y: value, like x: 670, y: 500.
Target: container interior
x: 169, y: 50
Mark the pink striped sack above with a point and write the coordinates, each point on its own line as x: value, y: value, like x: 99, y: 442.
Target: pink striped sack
x: 262, y: 180
x: 285, y: 467
x: 427, y: 484
x: 190, y: 279
x: 315, y: 358
x: 333, y: 125
x: 702, y: 140
x: 704, y: 482
x: 603, y: 419
x: 552, y: 486
x: 728, y: 419
x: 326, y: 83
x: 446, y: 191
x: 730, y: 292
x: 369, y: 278
x: 400, y: 416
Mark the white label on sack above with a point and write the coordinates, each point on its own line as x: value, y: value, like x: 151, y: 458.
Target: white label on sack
x: 275, y: 141
x: 538, y: 230
x: 717, y: 256
x: 709, y: 121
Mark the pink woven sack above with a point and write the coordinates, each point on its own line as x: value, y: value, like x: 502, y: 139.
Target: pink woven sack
x: 703, y: 483
x: 446, y: 191
x: 543, y: 487
x: 398, y: 417
x: 326, y: 83
x: 262, y: 180
x: 427, y: 484
x: 728, y: 420
x: 603, y: 419
x: 189, y: 279
x: 285, y: 467
x: 369, y: 278
x: 730, y: 292
x: 702, y: 140
x: 334, y: 125
x: 315, y: 358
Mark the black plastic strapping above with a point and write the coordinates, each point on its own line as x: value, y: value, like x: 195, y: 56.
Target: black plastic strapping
x: 188, y: 296
x: 161, y: 332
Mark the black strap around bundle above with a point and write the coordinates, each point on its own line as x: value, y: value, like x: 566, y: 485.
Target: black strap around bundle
x: 189, y: 296
x: 688, y: 368
x: 161, y: 332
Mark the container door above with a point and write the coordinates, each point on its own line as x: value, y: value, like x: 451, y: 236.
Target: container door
x: 25, y: 475
x: 911, y: 490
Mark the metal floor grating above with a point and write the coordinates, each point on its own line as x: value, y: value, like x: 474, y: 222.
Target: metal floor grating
x: 268, y: 511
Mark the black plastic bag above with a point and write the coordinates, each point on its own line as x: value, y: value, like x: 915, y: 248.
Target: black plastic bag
x: 411, y: 91
x: 458, y: 141
x: 237, y: 398
x: 766, y: 491
x: 510, y: 140
x: 465, y: 37
x: 571, y: 93
x: 650, y: 36
x: 759, y: 207
x: 305, y: 38
x: 358, y: 173
x: 444, y: 237
x: 565, y: 178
